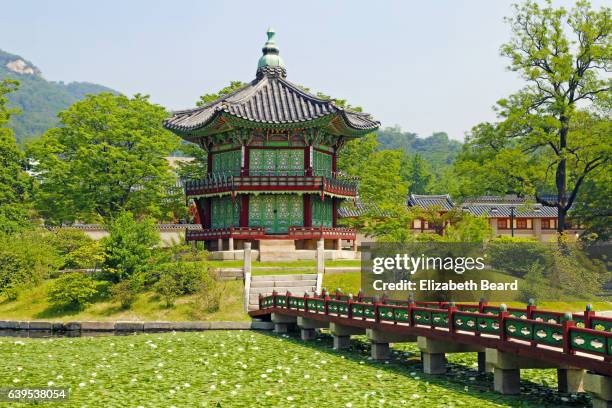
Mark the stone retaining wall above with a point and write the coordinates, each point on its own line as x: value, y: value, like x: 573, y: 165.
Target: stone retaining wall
x: 131, y: 326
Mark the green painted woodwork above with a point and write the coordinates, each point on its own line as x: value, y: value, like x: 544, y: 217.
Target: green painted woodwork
x: 337, y: 307
x: 322, y: 164
x: 439, y: 319
x: 316, y: 305
x: 598, y: 324
x: 422, y: 317
x: 519, y: 329
x: 546, y: 334
x: 267, y: 301
x: 463, y: 322
x: 322, y: 212
x: 227, y: 162
x: 276, y: 162
x: 225, y: 212
x: 590, y: 342
x: 366, y: 311
x: 276, y: 212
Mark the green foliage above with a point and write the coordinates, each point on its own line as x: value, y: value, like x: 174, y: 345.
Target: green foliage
x: 354, y: 155
x: 129, y: 248
x: 40, y: 100
x: 126, y: 292
x: 76, y: 248
x: 415, y: 171
x: 468, y: 228
x: 168, y: 288
x: 198, y: 167
x: 535, y: 285
x: 15, y: 184
x: 211, y: 97
x: 25, y: 258
x: 107, y: 157
x: 551, y: 137
x: 74, y: 289
x: 380, y: 179
x: 518, y: 255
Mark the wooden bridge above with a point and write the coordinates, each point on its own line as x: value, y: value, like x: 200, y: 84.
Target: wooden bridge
x: 506, y: 339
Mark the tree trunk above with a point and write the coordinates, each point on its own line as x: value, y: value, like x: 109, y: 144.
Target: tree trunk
x: 561, y: 220
x: 561, y: 176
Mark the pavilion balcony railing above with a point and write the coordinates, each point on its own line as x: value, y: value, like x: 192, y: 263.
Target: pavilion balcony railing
x: 215, y: 183
x: 322, y: 232
x: 230, y: 232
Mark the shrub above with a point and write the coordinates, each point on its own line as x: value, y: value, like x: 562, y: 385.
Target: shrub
x: 25, y: 259
x: 74, y: 289
x: 125, y: 292
x: 208, y: 298
x: 516, y: 256
x: 128, y: 249
x: 168, y: 289
x: 77, y: 249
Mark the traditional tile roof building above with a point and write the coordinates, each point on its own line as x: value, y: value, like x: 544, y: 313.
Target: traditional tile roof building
x: 272, y: 150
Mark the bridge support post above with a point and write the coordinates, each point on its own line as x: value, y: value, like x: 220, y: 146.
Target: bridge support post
x: 570, y: 380
x: 380, y: 340
x: 507, y: 381
x: 308, y: 334
x: 600, y: 388
x: 482, y: 362
x: 230, y: 243
x: 433, y: 353
x: 282, y: 323
x: 380, y: 351
x: 342, y: 335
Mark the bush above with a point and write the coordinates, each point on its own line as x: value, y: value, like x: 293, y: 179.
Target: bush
x: 208, y: 298
x: 76, y: 248
x: 129, y: 248
x: 125, y: 292
x: 74, y: 289
x: 168, y: 289
x: 516, y: 256
x: 26, y: 259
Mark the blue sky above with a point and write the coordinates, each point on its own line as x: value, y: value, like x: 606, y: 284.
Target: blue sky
x: 425, y: 65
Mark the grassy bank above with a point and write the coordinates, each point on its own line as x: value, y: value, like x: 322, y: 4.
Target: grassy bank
x: 247, y: 369
x: 32, y: 304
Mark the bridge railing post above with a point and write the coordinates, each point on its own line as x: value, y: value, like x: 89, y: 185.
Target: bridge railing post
x: 375, y: 301
x: 287, y: 300
x: 411, y: 312
x: 359, y: 295
x: 338, y: 294
x: 589, y: 313
x: 568, y: 323
x: 274, y: 298
x: 531, y: 306
x: 260, y: 300
x: 451, y: 316
x: 503, y: 314
x: 325, y: 302
x: 306, y: 302
x: 349, y: 304
x: 481, y: 305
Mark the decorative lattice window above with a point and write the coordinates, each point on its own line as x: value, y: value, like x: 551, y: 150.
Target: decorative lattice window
x: 227, y: 162
x: 276, y: 162
x: 225, y: 212
x: 322, y: 212
x: 322, y: 164
x: 276, y: 212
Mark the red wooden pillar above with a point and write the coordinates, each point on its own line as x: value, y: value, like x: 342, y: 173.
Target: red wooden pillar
x: 334, y: 161
x: 206, y: 204
x: 209, y: 162
x: 307, y: 211
x: 244, y: 210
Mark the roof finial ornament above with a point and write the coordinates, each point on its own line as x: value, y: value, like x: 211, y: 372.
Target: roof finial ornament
x: 270, y: 63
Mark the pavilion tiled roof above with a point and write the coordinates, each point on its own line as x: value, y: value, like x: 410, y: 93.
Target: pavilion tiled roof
x: 270, y: 100
x: 429, y: 201
x: 501, y: 206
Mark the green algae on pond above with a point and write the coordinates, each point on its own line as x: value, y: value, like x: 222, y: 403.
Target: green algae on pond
x: 249, y: 369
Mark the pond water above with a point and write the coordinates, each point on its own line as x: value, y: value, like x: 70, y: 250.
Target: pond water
x: 45, y: 334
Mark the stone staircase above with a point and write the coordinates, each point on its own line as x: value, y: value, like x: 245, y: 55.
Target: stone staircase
x: 266, y: 284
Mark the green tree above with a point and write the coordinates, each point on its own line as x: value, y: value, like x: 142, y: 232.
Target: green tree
x: 106, y: 157
x: 549, y: 139
x: 15, y: 183
x: 354, y: 156
x: 128, y: 251
x: 211, y: 97
x: 380, y: 179
x: 416, y: 173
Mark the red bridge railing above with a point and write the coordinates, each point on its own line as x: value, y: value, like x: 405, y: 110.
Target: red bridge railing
x: 585, y: 337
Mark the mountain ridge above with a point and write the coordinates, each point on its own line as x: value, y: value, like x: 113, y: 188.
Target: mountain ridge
x: 38, y: 99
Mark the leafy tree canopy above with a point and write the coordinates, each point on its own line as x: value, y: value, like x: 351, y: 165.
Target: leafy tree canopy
x: 551, y: 137
x: 15, y: 183
x: 108, y: 156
